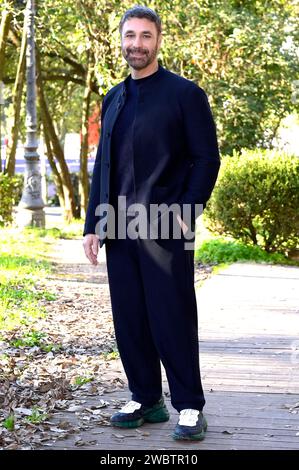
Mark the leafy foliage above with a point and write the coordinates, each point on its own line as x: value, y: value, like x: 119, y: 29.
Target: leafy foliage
x: 9, y: 191
x: 243, y: 53
x: 9, y: 423
x: 256, y: 200
x: 37, y: 416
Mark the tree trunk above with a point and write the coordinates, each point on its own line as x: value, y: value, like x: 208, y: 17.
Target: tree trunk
x: 56, y: 176
x: 4, y: 28
x: 70, y: 209
x: 17, y: 103
x: 83, y: 175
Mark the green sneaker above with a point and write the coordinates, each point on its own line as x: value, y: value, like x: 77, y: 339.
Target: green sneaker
x: 192, y: 426
x: 134, y: 414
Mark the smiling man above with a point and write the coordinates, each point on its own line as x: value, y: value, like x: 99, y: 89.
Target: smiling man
x: 140, y: 45
x: 158, y: 146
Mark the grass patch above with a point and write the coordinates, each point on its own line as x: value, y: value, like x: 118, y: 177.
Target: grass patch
x: 80, y: 380
x: 30, y: 339
x: 110, y: 355
x: 70, y: 230
x: 30, y: 245
x: 19, y: 303
x: 37, y: 416
x: 219, y: 251
x: 34, y: 338
x: 73, y: 230
x: 23, y: 266
x: 9, y: 423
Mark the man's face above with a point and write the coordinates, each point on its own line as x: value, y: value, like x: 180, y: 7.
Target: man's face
x: 140, y: 42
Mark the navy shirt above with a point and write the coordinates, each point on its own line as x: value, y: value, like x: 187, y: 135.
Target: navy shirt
x: 122, y: 166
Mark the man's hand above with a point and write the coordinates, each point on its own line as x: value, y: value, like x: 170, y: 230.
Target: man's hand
x: 91, y: 247
x: 183, y: 226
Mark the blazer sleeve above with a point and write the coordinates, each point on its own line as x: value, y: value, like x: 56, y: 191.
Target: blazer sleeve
x: 94, y: 195
x: 202, y: 147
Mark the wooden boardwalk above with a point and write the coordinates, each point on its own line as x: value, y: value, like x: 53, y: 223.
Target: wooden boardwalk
x: 249, y: 351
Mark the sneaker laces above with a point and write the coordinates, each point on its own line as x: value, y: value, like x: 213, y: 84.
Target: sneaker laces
x: 130, y: 407
x: 188, y: 417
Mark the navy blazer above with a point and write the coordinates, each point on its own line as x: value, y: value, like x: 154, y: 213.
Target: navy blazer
x: 175, y: 151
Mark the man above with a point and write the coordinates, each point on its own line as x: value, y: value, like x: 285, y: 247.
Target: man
x: 158, y: 146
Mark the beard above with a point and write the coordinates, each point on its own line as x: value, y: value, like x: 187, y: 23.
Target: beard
x: 139, y: 58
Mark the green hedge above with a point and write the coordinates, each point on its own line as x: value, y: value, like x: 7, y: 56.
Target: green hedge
x: 256, y: 200
x: 10, y: 190
x: 217, y: 251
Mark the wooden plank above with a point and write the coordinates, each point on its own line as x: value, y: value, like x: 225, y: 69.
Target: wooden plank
x: 207, y: 444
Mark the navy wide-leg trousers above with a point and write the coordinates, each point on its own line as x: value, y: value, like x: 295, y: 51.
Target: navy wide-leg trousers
x: 155, y: 318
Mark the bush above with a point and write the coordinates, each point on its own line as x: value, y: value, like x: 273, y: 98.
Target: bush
x: 256, y: 200
x: 19, y: 177
x: 10, y: 189
x: 216, y: 251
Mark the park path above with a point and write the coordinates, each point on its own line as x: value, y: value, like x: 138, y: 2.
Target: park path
x: 249, y: 346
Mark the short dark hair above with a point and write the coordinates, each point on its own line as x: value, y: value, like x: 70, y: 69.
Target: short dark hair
x: 139, y: 11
